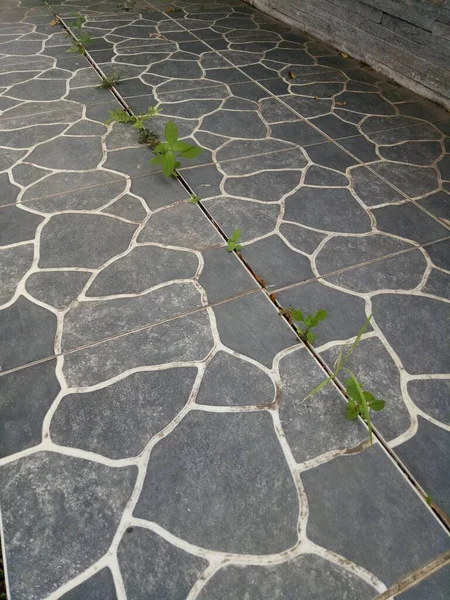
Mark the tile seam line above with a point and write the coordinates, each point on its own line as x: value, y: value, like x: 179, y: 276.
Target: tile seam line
x: 243, y: 294
x: 250, y: 80
x: 308, y: 122
x: 369, y: 262
x: 158, y: 172
x: 402, y: 468
x: 136, y: 177
x: 3, y: 119
x: 416, y: 577
x: 122, y: 334
x: 396, y: 459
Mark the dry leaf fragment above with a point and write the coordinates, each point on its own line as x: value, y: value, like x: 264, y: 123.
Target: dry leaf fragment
x: 344, y: 55
x: 292, y: 75
x: 340, y: 103
x: 316, y: 98
x: 169, y: 10
x: 287, y: 314
x: 273, y: 296
x: 54, y: 22
x: 260, y: 280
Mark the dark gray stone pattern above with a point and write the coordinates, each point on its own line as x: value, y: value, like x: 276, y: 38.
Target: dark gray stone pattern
x: 154, y: 433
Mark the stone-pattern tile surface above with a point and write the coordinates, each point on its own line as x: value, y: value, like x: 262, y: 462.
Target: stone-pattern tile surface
x: 163, y: 445
x: 435, y: 586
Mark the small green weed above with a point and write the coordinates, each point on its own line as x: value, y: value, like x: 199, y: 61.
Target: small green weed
x: 309, y: 322
x: 109, y: 81
x: 233, y: 242
x: 361, y: 402
x: 194, y: 199
x: 83, y: 38
x: 80, y: 20
x: 119, y: 115
x: 139, y: 122
x: 341, y: 360
x: 168, y: 152
x: 78, y: 45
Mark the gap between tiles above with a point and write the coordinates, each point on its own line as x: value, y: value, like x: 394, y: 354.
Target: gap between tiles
x: 413, y: 579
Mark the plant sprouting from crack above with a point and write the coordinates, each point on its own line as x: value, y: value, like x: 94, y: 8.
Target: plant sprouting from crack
x: 168, y: 152
x: 83, y: 38
x: 79, y: 45
x: 194, y: 199
x: 309, y: 321
x: 361, y: 402
x: 80, y: 20
x: 119, y: 115
x: 109, y: 81
x: 233, y: 241
x: 342, y: 358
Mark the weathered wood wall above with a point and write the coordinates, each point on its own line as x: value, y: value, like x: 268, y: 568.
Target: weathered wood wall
x: 406, y: 39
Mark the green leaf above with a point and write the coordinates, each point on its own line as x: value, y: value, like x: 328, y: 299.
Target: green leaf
x: 360, y: 334
x: 192, y: 152
x: 171, y: 132
x: 297, y: 315
x: 236, y: 235
x: 119, y: 115
x: 230, y: 246
x: 319, y: 387
x: 181, y: 146
x: 321, y: 315
x: 151, y: 112
x: 168, y: 164
x: 85, y: 38
x: 162, y: 148
x: 352, y: 412
x: 311, y: 337
x: 238, y: 247
x: 158, y: 159
x: 361, y: 401
x: 352, y: 390
x: 377, y: 404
